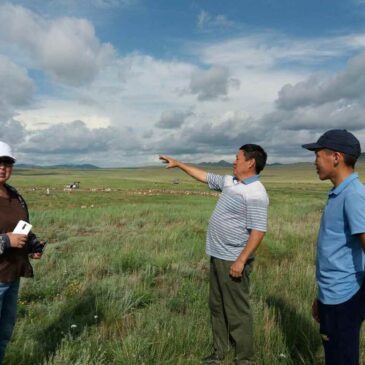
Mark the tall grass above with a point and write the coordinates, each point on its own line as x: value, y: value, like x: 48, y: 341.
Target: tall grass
x: 124, y: 277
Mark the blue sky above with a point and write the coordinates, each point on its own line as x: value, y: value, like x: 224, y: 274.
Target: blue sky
x: 116, y: 82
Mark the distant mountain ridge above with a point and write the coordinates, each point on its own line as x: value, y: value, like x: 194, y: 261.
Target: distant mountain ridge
x: 220, y: 163
x: 62, y: 166
x: 223, y: 163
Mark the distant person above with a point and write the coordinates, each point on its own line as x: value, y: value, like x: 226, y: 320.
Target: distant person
x: 340, y: 305
x: 236, y: 229
x: 14, y: 248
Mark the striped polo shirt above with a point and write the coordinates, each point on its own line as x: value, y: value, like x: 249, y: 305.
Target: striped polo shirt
x: 241, y: 207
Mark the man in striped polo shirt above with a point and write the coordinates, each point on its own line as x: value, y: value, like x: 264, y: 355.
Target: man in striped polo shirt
x: 236, y: 228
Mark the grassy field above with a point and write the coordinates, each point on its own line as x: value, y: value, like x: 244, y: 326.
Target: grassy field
x: 124, y: 277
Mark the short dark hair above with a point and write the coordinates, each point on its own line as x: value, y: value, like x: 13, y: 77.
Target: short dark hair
x: 349, y: 160
x: 256, y: 152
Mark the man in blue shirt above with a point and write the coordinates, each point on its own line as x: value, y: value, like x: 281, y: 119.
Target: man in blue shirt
x: 340, y: 305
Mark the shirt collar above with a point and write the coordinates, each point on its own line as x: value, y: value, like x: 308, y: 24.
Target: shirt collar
x: 248, y: 180
x: 338, y: 189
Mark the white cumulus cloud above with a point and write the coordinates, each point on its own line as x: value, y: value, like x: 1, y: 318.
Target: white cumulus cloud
x: 173, y: 119
x: 65, y: 48
x: 212, y: 83
x: 16, y: 88
x: 206, y: 21
x: 316, y: 90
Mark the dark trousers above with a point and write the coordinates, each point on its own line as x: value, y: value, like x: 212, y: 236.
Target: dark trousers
x: 230, y: 311
x: 340, y: 326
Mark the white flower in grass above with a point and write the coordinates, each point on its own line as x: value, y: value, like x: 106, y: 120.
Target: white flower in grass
x: 74, y: 326
x: 283, y: 356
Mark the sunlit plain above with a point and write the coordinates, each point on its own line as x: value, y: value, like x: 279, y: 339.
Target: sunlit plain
x: 124, y: 276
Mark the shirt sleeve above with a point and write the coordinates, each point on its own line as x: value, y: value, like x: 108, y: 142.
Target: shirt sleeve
x: 215, y: 182
x: 257, y: 213
x: 355, y: 212
x: 4, y: 243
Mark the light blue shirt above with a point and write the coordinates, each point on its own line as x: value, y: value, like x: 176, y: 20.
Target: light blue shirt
x: 340, y: 257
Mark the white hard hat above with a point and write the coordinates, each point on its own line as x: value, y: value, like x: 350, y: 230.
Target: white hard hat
x: 5, y: 151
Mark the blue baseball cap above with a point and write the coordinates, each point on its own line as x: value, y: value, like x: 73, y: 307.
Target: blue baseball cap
x: 339, y: 140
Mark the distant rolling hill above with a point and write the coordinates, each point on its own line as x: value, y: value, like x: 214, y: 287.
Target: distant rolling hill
x: 221, y: 163
x: 63, y: 166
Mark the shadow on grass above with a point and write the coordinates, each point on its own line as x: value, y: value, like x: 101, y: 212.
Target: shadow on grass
x: 300, y: 334
x: 76, y: 315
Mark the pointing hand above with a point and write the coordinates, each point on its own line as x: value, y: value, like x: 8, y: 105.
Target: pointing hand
x: 169, y: 161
